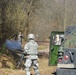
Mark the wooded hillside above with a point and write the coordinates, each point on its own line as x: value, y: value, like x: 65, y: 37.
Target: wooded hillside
x: 35, y: 16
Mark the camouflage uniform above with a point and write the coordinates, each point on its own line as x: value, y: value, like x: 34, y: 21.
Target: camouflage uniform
x: 20, y: 36
x: 31, y: 59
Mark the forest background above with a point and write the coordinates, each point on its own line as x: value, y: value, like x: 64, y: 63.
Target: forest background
x: 40, y: 17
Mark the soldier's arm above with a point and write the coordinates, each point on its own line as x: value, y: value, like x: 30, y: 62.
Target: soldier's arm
x: 26, y: 48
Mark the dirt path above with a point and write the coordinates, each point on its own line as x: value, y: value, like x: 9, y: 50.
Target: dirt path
x: 44, y: 52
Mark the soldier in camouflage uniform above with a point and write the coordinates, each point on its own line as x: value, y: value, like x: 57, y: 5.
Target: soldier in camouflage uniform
x: 31, y: 48
x: 20, y: 36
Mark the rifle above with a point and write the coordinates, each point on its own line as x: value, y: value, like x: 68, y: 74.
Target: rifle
x: 22, y: 57
x: 19, y: 62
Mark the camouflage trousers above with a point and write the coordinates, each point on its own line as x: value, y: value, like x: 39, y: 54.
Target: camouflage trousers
x: 29, y: 63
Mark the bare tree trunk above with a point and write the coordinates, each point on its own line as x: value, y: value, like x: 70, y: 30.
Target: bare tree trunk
x: 28, y: 14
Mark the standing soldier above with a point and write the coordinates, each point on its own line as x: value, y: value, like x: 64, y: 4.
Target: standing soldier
x: 31, y: 48
x: 58, y: 40
x: 20, y: 36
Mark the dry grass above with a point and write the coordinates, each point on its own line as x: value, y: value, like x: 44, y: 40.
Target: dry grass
x: 42, y: 47
x: 43, y: 67
x: 11, y: 72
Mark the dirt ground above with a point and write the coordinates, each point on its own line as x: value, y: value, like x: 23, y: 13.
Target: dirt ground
x: 43, y: 68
